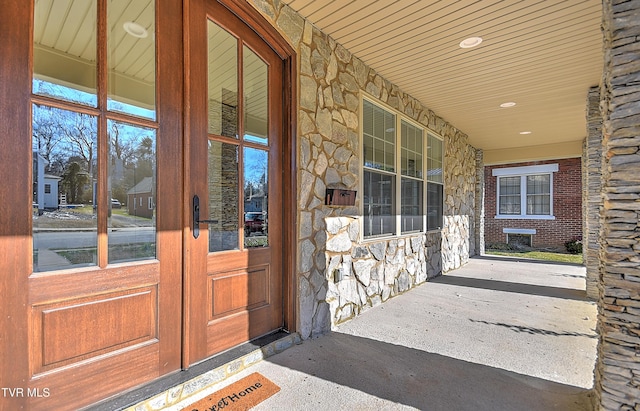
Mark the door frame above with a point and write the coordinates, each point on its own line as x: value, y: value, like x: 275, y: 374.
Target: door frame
x: 254, y: 20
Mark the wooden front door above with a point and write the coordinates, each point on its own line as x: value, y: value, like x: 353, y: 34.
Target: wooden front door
x: 235, y: 183
x: 91, y: 252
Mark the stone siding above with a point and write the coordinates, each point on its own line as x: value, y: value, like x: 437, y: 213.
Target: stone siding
x: 364, y: 275
x: 331, y: 81
x: 592, y: 192
x: 617, y: 385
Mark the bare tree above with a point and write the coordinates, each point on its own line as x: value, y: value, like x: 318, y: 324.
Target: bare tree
x: 46, y: 134
x: 81, y: 132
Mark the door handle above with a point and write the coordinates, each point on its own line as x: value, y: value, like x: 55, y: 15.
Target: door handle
x: 196, y: 217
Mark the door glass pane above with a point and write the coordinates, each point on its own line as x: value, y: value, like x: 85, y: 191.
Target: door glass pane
x: 132, y: 55
x: 223, y: 196
x: 132, y: 192
x: 64, y: 218
x: 223, y: 82
x: 256, y: 199
x: 256, y: 102
x: 64, y: 50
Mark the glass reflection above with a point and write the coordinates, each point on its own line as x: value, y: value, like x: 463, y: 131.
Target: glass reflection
x: 256, y: 199
x: 132, y: 192
x: 64, y: 51
x: 256, y: 103
x: 379, y: 198
x: 64, y: 147
x: 223, y: 82
x: 435, y: 155
x: 411, y: 207
x: 223, y: 196
x: 131, y: 58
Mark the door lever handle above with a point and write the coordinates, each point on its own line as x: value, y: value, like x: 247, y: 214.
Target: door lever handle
x: 196, y: 217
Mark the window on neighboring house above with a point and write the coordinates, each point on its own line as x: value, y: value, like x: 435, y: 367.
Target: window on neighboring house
x: 525, y: 192
x: 150, y: 203
x: 395, y: 165
x: 47, y: 188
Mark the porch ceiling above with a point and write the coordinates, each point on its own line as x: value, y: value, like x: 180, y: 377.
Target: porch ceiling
x: 542, y: 55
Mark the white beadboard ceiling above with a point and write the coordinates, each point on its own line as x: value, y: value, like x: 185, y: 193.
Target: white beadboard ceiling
x: 543, y: 55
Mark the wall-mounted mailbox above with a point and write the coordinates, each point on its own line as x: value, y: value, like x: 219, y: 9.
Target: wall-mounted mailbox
x: 340, y: 197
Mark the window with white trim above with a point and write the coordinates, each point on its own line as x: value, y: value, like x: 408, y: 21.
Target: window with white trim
x: 394, y: 168
x: 525, y: 192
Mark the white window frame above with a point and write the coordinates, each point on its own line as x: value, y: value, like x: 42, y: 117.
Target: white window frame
x: 397, y: 174
x: 523, y: 173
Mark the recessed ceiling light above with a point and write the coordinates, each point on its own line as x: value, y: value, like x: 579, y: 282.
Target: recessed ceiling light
x: 507, y: 104
x: 525, y: 132
x: 135, y: 30
x: 470, y: 42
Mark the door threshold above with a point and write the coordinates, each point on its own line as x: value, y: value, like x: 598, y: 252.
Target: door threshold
x: 176, y: 387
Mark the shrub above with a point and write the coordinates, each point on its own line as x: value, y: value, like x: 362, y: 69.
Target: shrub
x: 574, y: 246
x: 499, y: 247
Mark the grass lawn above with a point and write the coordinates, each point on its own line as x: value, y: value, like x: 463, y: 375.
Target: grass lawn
x: 540, y: 255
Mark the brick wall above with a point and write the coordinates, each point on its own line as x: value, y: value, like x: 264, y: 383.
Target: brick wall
x: 567, y: 207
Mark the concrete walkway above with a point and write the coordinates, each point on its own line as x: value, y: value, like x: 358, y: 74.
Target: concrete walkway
x: 493, y: 335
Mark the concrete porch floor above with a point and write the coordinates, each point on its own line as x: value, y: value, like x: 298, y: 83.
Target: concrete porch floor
x: 496, y: 334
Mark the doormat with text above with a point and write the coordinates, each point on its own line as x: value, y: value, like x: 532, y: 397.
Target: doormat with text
x: 239, y: 396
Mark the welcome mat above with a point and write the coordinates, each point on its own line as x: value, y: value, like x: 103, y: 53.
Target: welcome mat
x: 239, y: 396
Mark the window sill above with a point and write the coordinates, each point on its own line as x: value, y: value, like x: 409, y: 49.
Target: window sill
x: 387, y: 237
x: 525, y: 217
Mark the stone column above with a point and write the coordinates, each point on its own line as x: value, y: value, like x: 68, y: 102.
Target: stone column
x: 479, y: 217
x: 617, y: 385
x: 592, y: 191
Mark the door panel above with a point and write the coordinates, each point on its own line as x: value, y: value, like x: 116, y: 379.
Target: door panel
x: 80, y: 323
x: 104, y: 281
x: 235, y: 264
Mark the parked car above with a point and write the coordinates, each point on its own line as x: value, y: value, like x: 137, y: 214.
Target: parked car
x: 254, y: 222
x: 115, y: 203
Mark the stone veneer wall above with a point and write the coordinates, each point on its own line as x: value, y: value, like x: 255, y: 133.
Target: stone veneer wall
x: 363, y: 275
x: 617, y: 385
x: 331, y: 81
x: 592, y: 191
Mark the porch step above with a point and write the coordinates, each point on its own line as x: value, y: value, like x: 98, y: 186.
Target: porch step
x: 177, y: 387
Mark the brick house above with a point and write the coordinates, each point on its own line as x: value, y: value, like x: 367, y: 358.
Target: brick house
x: 538, y: 204
x: 140, y: 200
